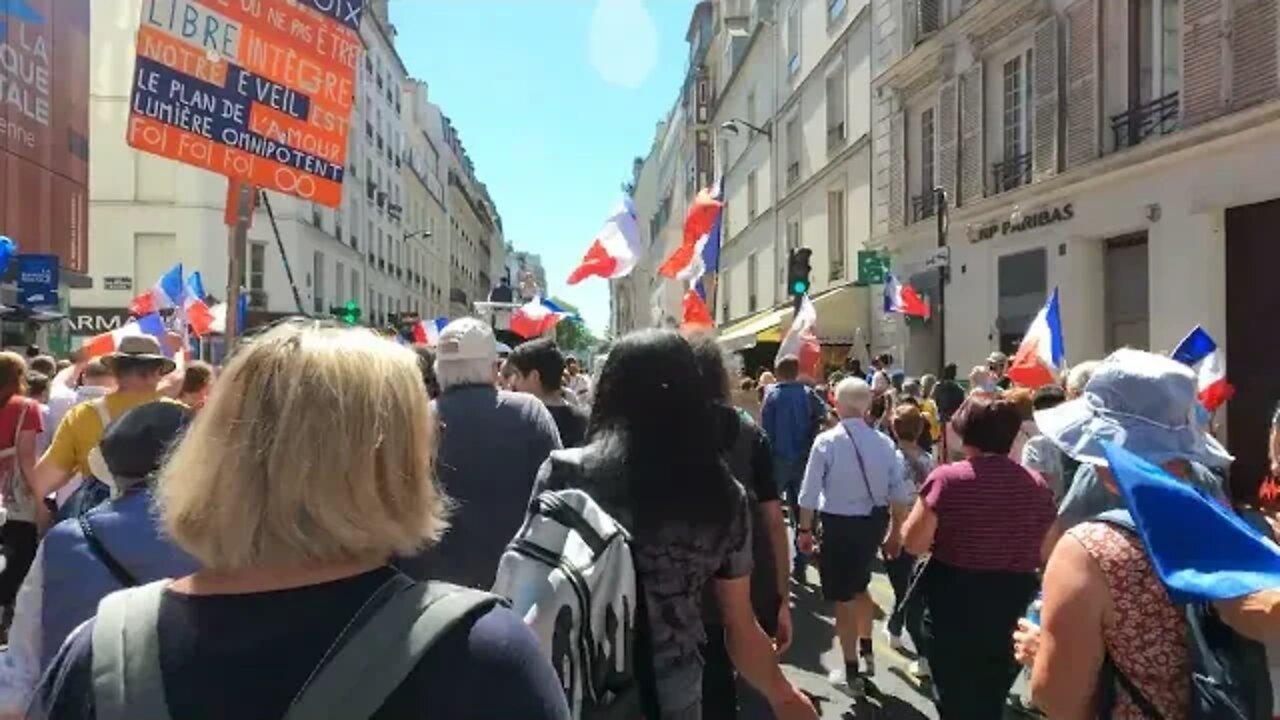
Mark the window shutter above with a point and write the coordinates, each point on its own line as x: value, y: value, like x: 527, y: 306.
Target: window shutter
x: 1203, y: 60
x: 910, y: 24
x: 948, y: 138
x: 1253, y: 52
x: 971, y: 145
x: 897, y: 171
x: 930, y: 16
x: 1044, y: 108
x: 1083, y: 125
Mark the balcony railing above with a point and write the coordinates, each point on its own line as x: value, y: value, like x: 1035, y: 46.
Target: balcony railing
x: 1011, y: 173
x: 793, y: 173
x: 1158, y: 117
x: 923, y: 206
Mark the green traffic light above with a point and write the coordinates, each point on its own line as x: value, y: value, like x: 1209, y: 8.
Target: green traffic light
x: 799, y: 287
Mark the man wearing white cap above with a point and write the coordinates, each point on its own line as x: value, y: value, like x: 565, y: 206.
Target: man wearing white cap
x: 492, y: 443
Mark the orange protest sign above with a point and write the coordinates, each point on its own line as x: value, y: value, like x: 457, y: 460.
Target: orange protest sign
x: 258, y: 90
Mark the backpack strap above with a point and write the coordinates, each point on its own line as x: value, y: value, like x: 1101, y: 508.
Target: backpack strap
x: 100, y: 407
x: 378, y: 655
x: 104, y: 556
x: 126, y: 655
x: 1112, y: 671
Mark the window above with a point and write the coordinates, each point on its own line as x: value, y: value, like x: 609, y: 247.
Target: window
x: 751, y: 282
x: 793, y: 39
x: 1125, y: 293
x: 836, y: 108
x: 1014, y: 112
x: 1154, y: 48
x: 751, y: 108
x: 317, y: 275
x: 835, y: 234
x: 835, y: 11
x: 339, y: 279
x: 355, y: 285
x: 927, y: 149
x: 752, y: 196
x: 257, y: 266
x: 795, y: 142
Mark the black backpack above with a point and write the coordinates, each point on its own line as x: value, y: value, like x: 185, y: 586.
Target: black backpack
x: 1230, y: 679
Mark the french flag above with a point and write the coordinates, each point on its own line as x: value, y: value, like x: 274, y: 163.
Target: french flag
x: 107, y: 342
x: 168, y: 292
x: 801, y: 340
x: 427, y: 332
x: 1199, y: 352
x: 536, y: 317
x: 196, y: 310
x: 218, y: 315
x: 696, y: 314
x: 698, y: 224
x: 901, y: 298
x: 616, y: 248
x: 1042, y: 354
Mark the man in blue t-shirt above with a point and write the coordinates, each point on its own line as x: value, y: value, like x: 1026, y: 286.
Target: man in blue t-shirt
x: 791, y: 415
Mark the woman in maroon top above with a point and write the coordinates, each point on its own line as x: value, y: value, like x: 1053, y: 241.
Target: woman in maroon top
x: 983, y: 518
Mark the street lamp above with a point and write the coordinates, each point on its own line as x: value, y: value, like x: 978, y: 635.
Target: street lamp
x: 424, y: 234
x: 735, y: 125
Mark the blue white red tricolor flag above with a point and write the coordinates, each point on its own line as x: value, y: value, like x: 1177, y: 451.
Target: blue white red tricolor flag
x: 168, y: 292
x: 427, y: 332
x: 1042, y: 354
x: 536, y: 317
x: 688, y: 261
x: 901, y: 298
x: 1199, y: 352
x: 195, y: 309
x: 615, y: 249
x: 106, y: 343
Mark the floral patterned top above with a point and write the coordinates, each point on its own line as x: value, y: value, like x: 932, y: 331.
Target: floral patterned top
x: 1147, y: 636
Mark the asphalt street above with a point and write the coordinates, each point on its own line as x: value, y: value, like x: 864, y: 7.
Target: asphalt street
x: 814, y: 653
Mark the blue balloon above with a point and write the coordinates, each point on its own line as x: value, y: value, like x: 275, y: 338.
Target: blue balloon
x: 8, y: 248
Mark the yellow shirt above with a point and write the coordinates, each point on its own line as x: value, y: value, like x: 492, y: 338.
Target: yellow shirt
x: 81, y: 429
x: 930, y: 411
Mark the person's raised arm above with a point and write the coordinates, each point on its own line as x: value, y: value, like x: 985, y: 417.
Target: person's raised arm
x: 1064, y: 672
x: 1256, y: 616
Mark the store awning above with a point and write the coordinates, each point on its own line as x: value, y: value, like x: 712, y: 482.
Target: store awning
x: 761, y: 327
x: 842, y: 312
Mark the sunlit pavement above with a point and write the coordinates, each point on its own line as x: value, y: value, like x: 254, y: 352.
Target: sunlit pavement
x: 814, y: 653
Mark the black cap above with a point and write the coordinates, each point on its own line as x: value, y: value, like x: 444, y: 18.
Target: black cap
x: 134, y: 445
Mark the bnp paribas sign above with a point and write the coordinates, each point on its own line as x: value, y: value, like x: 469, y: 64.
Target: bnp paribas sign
x: 1028, y: 221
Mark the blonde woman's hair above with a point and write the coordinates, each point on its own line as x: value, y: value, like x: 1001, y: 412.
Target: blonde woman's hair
x: 315, y: 447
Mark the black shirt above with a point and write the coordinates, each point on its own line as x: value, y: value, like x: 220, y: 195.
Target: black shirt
x: 572, y: 424
x: 246, y: 656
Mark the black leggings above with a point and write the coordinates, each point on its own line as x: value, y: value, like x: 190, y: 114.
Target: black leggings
x: 20, y: 542
x: 969, y: 623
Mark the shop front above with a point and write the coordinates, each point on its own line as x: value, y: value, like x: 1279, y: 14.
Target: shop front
x: 843, y: 325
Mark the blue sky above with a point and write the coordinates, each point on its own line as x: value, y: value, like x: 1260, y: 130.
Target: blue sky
x: 553, y: 100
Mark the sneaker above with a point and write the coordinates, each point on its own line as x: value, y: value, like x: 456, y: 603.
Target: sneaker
x: 855, y: 688
x: 894, y: 640
x: 920, y: 668
x: 867, y: 664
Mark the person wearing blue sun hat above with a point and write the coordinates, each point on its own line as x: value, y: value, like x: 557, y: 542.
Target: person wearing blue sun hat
x: 1145, y: 403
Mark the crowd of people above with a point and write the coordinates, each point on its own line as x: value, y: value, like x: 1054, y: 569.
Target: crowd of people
x: 327, y: 526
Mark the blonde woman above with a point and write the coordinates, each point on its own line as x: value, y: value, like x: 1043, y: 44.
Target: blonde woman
x: 308, y: 469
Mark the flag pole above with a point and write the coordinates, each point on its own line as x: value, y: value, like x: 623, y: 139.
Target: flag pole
x: 237, y: 236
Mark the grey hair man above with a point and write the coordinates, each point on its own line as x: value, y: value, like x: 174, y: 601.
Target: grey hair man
x: 856, y: 487
x: 1079, y: 376
x: 492, y: 443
